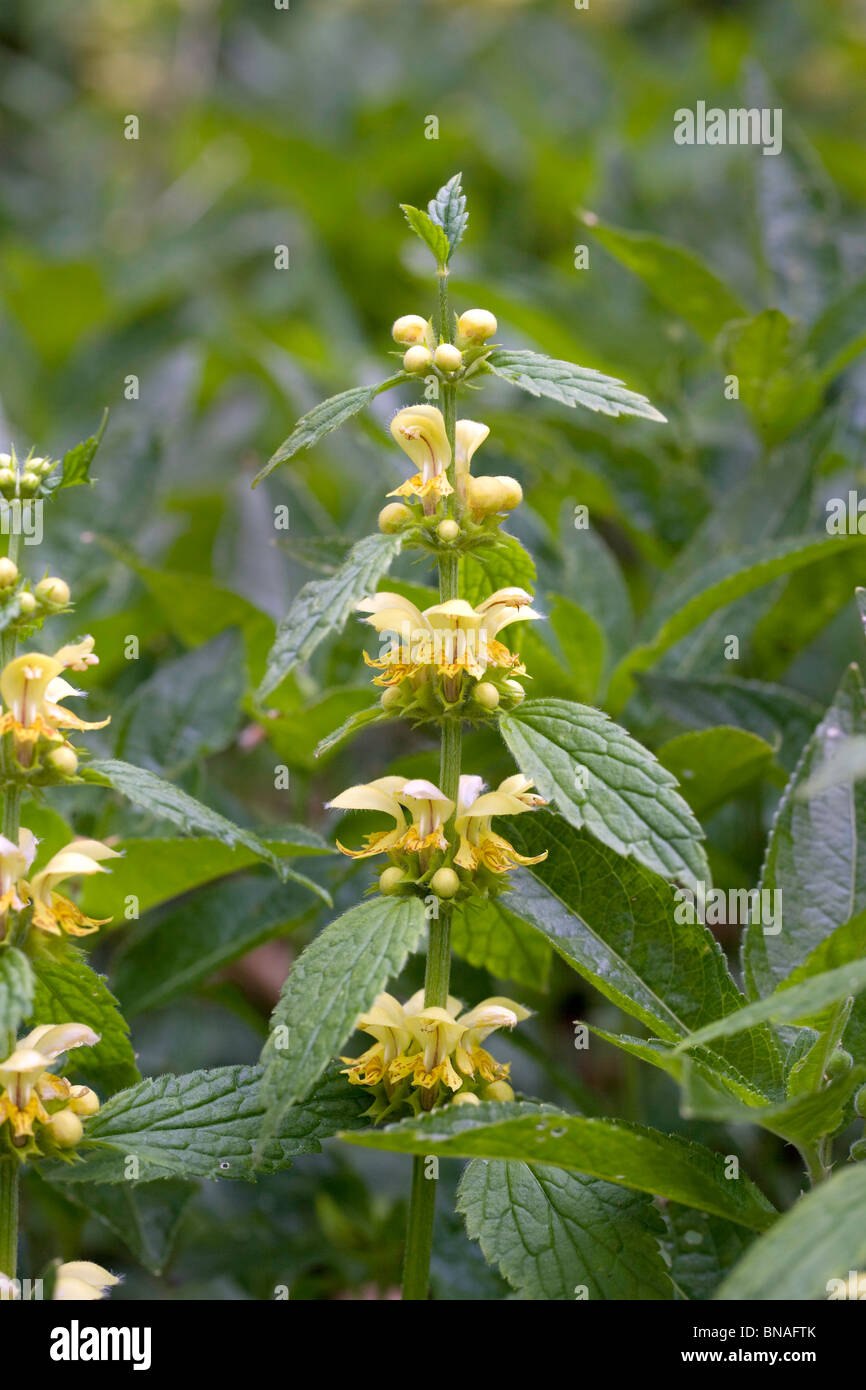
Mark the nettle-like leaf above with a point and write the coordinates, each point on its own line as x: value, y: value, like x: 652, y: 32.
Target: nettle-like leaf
x: 482, y: 572
x: 702, y: 1249
x: 206, y: 1124
x: 614, y: 922
x: 203, y: 934
x: 603, y: 779
x: 75, y: 467
x: 813, y: 1248
x: 722, y: 582
x: 713, y: 765
x: 430, y: 232
x: 361, y: 719
x: 147, y: 1217
x: 568, y: 384
x: 814, y: 856
x: 324, y: 606
x: 487, y: 934
x: 801, y: 1119
x: 448, y: 211
x: 68, y: 990
x: 332, y: 982
x: 553, y: 1233
x: 167, y: 802
x: 627, y: 1154
x: 678, y: 279
x: 16, y: 988
x: 154, y: 870
x: 324, y: 418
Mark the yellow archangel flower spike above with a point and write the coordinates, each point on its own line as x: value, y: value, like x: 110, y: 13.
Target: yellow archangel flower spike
x: 51, y: 911
x: 452, y: 636
x: 25, y: 1081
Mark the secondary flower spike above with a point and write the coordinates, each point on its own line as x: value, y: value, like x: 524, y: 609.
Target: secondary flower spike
x: 423, y: 1056
x: 27, y: 1085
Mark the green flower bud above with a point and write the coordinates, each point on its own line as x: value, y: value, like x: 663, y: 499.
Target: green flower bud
x: 390, y: 697
x: 390, y: 879
x: 448, y: 530
x: 497, y: 1090
x: 394, y: 517
x: 448, y: 358
x: 7, y: 478
x: 53, y: 590
x: 63, y: 760
x: 486, y: 694
x: 860, y: 1102
x: 465, y: 1098
x: 66, y: 1129
x: 8, y: 572
x: 840, y: 1063
x: 28, y: 603
x: 857, y: 1151
x: 445, y: 883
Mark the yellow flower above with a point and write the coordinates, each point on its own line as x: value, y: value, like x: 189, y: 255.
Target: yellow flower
x: 469, y: 435
x: 15, y: 860
x: 80, y: 1280
x: 25, y: 1081
x: 32, y: 687
x: 438, y: 1049
x: 451, y: 637
x: 475, y: 810
x: 420, y: 432
x: 428, y: 807
x: 51, y: 911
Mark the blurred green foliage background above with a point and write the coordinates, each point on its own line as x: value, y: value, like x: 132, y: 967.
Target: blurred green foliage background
x: 153, y: 258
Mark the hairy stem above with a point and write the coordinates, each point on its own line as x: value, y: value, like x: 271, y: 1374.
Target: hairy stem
x: 419, y: 1235
x: 9, y: 1217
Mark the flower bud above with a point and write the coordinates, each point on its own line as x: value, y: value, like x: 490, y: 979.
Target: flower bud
x: 409, y: 329
x: 445, y: 883
x: 28, y: 481
x: 394, y: 517
x: 511, y: 494
x: 448, y: 530
x: 860, y: 1103
x: 63, y: 760
x: 39, y: 466
x: 27, y: 602
x: 53, y: 590
x: 465, y: 1098
x: 417, y: 359
x: 476, y: 326
x: 66, y: 1129
x: 7, y: 477
x: 515, y: 690
x: 839, y: 1063
x: 390, y: 697
x: 390, y: 879
x: 448, y: 358
x: 484, y: 495
x: 486, y: 695
x: 84, y: 1101
x: 497, y: 1090
x: 8, y: 572
x: 857, y: 1151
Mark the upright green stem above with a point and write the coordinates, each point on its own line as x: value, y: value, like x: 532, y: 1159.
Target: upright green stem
x: 10, y: 815
x: 422, y: 1203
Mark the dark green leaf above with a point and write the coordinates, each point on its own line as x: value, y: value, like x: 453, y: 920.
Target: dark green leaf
x: 430, y: 232
x: 323, y: 418
x: 448, y: 211
x: 568, y: 384
x: 69, y: 991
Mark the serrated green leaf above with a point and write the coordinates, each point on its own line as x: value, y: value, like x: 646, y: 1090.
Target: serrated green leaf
x: 786, y: 1005
x: 482, y: 572
x: 631, y: 1155
x: 801, y: 1119
x: 722, y: 582
x: 16, y: 989
x: 448, y: 211
x: 775, y: 382
x: 615, y: 923
x: 782, y: 717
x: 75, y: 468
x: 324, y: 605
x: 603, y: 779
x: 821, y: 1239
x: 839, y: 334
x: 67, y: 990
x: 814, y: 856
x: 202, y: 934
x: 363, y: 719
x: 152, y: 871
x: 332, y: 982
x: 713, y: 765
x: 486, y: 934
x: 568, y: 384
x: 205, y: 1124
x: 702, y: 1249
x: 430, y: 232
x: 556, y: 1235
x: 324, y: 418
x: 675, y: 276
x: 166, y: 802
x: 146, y: 1218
